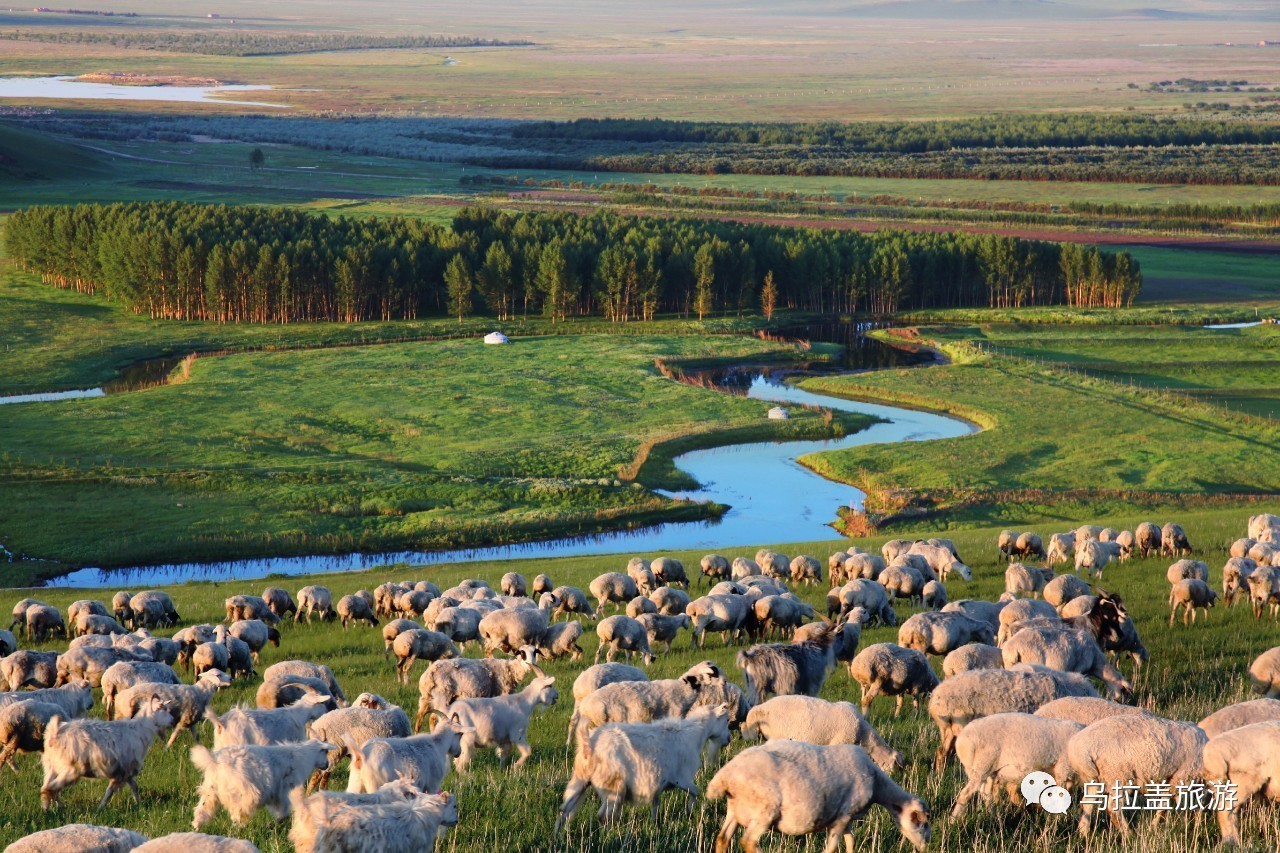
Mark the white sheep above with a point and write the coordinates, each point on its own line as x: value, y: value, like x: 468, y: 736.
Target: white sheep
x: 245, y: 607
x: 668, y: 571
x: 391, y: 630
x: 187, y: 702
x: 25, y: 668
x: 894, y: 547
x: 1021, y: 579
x: 933, y: 596
x: 280, y: 601
x: 670, y: 601
x: 560, y: 639
x: 1063, y: 588
x: 1239, y: 715
x: 312, y: 813
x: 400, y: 826
x: 1062, y: 547
x: 814, y: 720
x: 315, y: 600
x: 727, y: 614
x: 1248, y: 759
x: 501, y: 722
x: 593, y: 678
x: 715, y: 567
x: 358, y: 725
x: 887, y: 669
x: 1191, y: 594
x: 244, y: 779
x: 122, y: 675
x: 1264, y: 673
x: 971, y: 657
x: 941, y: 557
x: 938, y: 633
x: 421, y: 759
x: 744, y: 568
x: 420, y: 643
x: 663, y: 629
x: 805, y: 569
x: 622, y: 633
x: 1173, y: 540
x: 1096, y: 556
x: 570, y: 600
x: 256, y: 634
x: 78, y: 838
x: 152, y: 608
x: 1235, y: 578
x: 645, y: 701
x: 975, y: 608
x: 1084, y: 710
x: 1183, y: 569
x: 641, y: 605
x: 1016, y: 613
x: 74, y: 699
x: 197, y: 842
x: 637, y: 762
x: 642, y: 575
x: 446, y: 681
x: 514, y: 583
x: 284, y: 690
x: 1264, y: 590
x: 902, y: 582
x: 800, y: 788
x: 308, y: 670
x: 612, y: 587
x: 1065, y: 649
x: 266, y: 727
x: 43, y: 620
x: 1007, y: 747
x: 355, y: 608
x: 22, y: 726
x: 96, y: 749
x: 511, y: 629
x: 867, y: 594
x: 90, y: 662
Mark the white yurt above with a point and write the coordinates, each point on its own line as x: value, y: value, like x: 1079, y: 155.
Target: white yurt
x: 496, y: 338
x: 777, y: 413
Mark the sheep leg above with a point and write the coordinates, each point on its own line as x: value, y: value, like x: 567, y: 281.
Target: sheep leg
x: 525, y: 751
x: 610, y: 806
x: 466, y: 751
x: 7, y: 755
x: 206, y: 808
x: 724, y: 838
x: 177, y: 730
x: 574, y: 794
x: 869, y: 693
x: 112, y: 786
x: 945, y: 747
x: 53, y: 784
x: 838, y: 831
x: 971, y: 789
x: 751, y: 836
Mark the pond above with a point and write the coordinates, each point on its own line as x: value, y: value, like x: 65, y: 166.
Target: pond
x: 33, y: 88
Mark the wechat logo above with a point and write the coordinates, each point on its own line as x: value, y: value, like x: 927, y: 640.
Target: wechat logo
x: 1041, y: 788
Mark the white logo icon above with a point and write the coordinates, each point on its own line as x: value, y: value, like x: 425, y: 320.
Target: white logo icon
x: 1041, y: 788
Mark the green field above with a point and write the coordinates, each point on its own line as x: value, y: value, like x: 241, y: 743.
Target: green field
x: 1192, y: 672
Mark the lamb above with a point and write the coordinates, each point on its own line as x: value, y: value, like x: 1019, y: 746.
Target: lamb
x: 420, y: 759
x: 937, y: 633
x: 933, y: 596
x: 321, y: 825
x: 125, y: 674
x: 95, y: 749
x: 645, y: 701
x: 813, y: 720
x: 258, y: 727
x: 284, y: 690
x: 890, y: 670
x: 1149, y: 539
x: 715, y: 567
x: 560, y: 639
x: 356, y: 726
x: 785, y: 669
x: 152, y: 608
x: 728, y: 614
x: 1096, y: 556
x: 1019, y: 612
x: 241, y: 607
x: 969, y: 696
x: 612, y: 587
x: 279, y: 601
x: 1246, y: 758
x: 663, y: 629
x: 670, y: 601
x: 43, y: 620
x: 622, y: 633
x: 446, y: 681
x: 1191, y: 594
x: 354, y: 608
x: 1062, y: 547
x: 29, y: 669
x: 805, y: 569
x: 669, y: 571
x: 255, y: 634
x: 971, y: 657
x: 197, y: 842
x: 1007, y: 747
x: 1021, y: 579
x: 1239, y: 715
x: 501, y: 722
x: 1084, y: 710
x: 315, y: 600
x: 417, y: 643
x: 1065, y: 649
x: 744, y: 568
x: 1264, y: 673
x: 78, y: 838
x: 309, y: 670
x: 1235, y: 577
x: 22, y: 727
x: 1155, y: 751
x: 74, y: 699
x: 244, y: 779
x: 1173, y: 540
x: 799, y: 788
x: 638, y: 762
x: 187, y: 702
x: 515, y: 584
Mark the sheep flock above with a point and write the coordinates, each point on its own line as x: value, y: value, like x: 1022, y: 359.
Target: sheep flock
x: 746, y: 685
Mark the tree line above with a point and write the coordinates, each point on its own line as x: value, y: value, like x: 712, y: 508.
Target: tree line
x: 250, y: 43
x: 247, y: 264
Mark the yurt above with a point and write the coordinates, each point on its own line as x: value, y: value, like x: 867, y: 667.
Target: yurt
x: 777, y: 413
x: 495, y: 338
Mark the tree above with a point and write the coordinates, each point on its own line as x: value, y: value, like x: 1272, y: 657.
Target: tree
x: 768, y: 295
x: 256, y: 159
x: 458, y: 281
x: 496, y: 280
x: 704, y: 272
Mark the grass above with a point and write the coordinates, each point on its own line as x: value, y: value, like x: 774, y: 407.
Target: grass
x: 1192, y: 672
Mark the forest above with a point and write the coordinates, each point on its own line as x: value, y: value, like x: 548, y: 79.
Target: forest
x: 248, y: 43
x: 261, y: 265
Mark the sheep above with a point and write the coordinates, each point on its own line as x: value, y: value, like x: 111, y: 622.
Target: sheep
x: 514, y: 584
x: 1084, y: 710
x: 669, y: 601
x: 1007, y: 747
x: 1005, y: 542
x: 501, y: 722
x: 279, y: 601
x: 8, y: 643
x: 1264, y: 673
x: 890, y: 670
x: 86, y: 607
x: 1263, y: 553
x: 661, y: 629
x: 20, y: 612
x: 1235, y: 576
x: 125, y: 674
x: 357, y: 725
x: 813, y: 720
x: 969, y: 696
x: 714, y: 567
x: 640, y: 605
x: 942, y: 559
x: 638, y: 762
x: 1063, y: 588
x: 868, y: 566
x: 241, y: 607
x: 805, y: 569
x: 393, y: 629
x: 309, y: 812
x: 161, y: 649
x: 1264, y: 528
x: 420, y: 759
x: 315, y: 600
x: 784, y: 669
x: 1191, y: 594
x: 728, y: 614
x: 1062, y: 547
x: 845, y: 636
x: 255, y: 634
x: 1065, y: 649
x: 937, y: 633
x: 413, y: 603
x: 1264, y: 590
x: 1096, y: 556
x: 399, y: 825
x: 78, y: 838
x: 259, y: 727
x: 1021, y: 579
x: 645, y: 701
x: 902, y: 582
x: 152, y: 608
x: 1029, y: 545
x: 417, y: 643
x: 970, y: 657
x: 933, y: 596
x: 354, y: 608
x: 89, y: 663
x: 96, y: 749
x: 669, y: 571
x: 1187, y: 569
x: 1241, y: 547
x: 763, y: 586
x: 22, y: 727
x: 622, y: 633
x: 800, y: 788
x: 29, y: 669
x: 284, y: 690
x: 510, y: 630
x: 613, y: 587
x: 984, y: 611
x: 775, y: 614
x: 309, y: 670
x: 446, y: 681
x: 1155, y: 751
x: 567, y: 600
x: 1239, y: 715
x: 1173, y: 540
x: 1247, y: 759
x: 894, y: 547
x: 186, y: 702
x: 74, y: 699
x: 744, y: 568
x: 43, y: 620
x: 772, y: 564
x: 244, y: 779
x: 1149, y: 539
x: 1018, y: 612
x: 197, y: 842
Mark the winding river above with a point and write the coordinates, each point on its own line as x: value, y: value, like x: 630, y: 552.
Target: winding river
x: 772, y: 497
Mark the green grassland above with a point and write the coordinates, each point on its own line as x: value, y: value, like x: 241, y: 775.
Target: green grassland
x: 1192, y: 672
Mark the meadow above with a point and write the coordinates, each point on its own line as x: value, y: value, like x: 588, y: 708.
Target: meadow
x: 1192, y: 671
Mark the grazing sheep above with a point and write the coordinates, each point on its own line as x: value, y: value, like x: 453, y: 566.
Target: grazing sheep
x: 1235, y: 577
x: 413, y: 603
x: 902, y: 582
x: 1264, y: 553
x: 593, y: 678
x: 805, y: 569
x: 125, y: 674
x: 355, y: 608
x: 279, y: 601
x: 514, y: 584
x: 1021, y: 579
x: 511, y: 630
x: 1239, y: 715
x: 1084, y: 710
x: 715, y: 567
x: 501, y: 722
x: 622, y: 633
x: 446, y: 681
x: 153, y: 608
x: 393, y: 629
x: 310, y: 817
x: 669, y: 571
x: 744, y: 568
x: 1007, y: 747
x: 86, y: 607
x: 420, y: 759
x: 419, y: 643
x: 641, y: 605
x: 937, y: 633
x: 1173, y: 540
x: 1149, y: 539
x: 1264, y: 590
x: 259, y: 727
x: 560, y: 639
x: 315, y: 600
x: 785, y: 669
x: 1069, y: 650
x: 941, y: 557
x: 772, y: 564
x: 1029, y: 545
x: 78, y: 838
x: 74, y: 699
x: 244, y: 779
x: 971, y: 657
x: 250, y: 607
x: 8, y: 643
x: 186, y: 702
x: 1241, y: 547
x: 29, y: 669
x: 613, y: 587
x: 670, y: 601
x: 43, y: 620
x: 845, y: 636
x: 866, y: 566
x: 644, y: 701
x: 1019, y: 612
x: 22, y: 727
x: 778, y: 614
x: 284, y: 690
x: 255, y: 634
x: 120, y: 606
x: 460, y: 624
x: 799, y: 788
x: 813, y: 720
x: 894, y: 547
x: 728, y: 614
x: 1096, y: 556
x: 20, y: 612
x: 196, y: 842
x: 1264, y: 528
x: 308, y: 670
x: 1264, y: 673
x: 96, y: 749
x: 638, y: 762
x: 887, y: 669
x: 90, y: 662
x: 568, y: 600
x: 1155, y: 751
x: 1063, y: 588
x: 1246, y: 758
x: 356, y: 725
x: 1062, y: 547
x: 933, y: 596
x: 663, y: 629
x: 1187, y: 569
x: 1005, y: 542
x: 969, y: 696
x: 322, y: 825
x: 1191, y: 594
x: 984, y: 611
